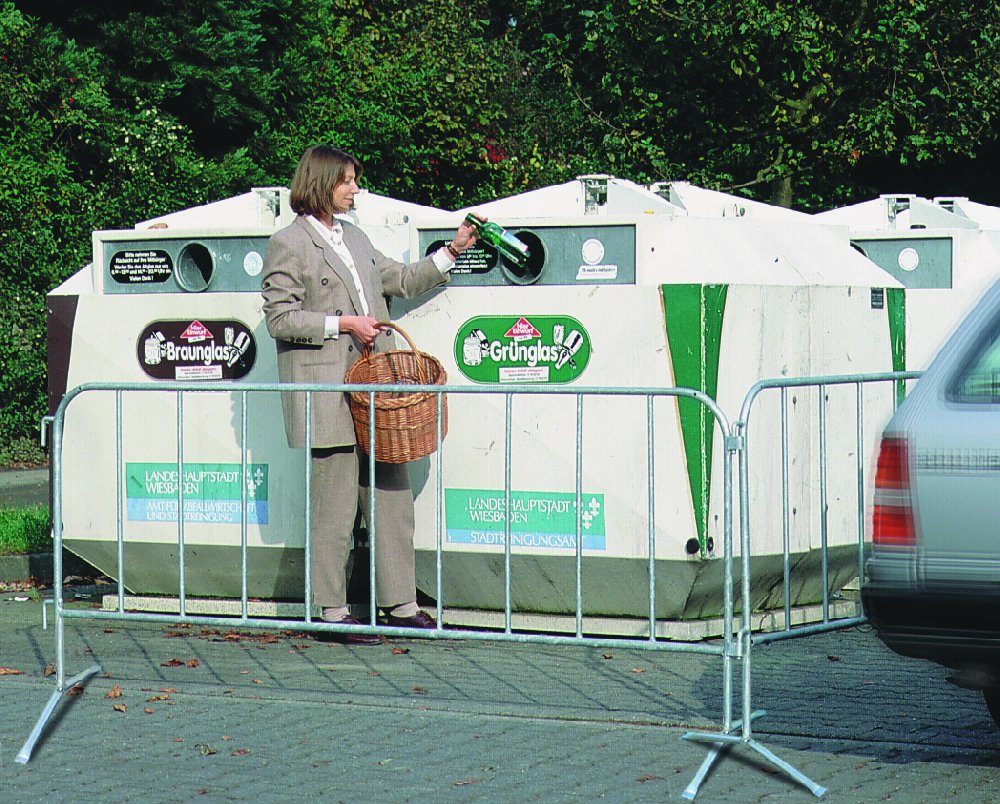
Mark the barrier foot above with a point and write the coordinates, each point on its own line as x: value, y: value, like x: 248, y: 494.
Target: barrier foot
x: 721, y: 743
x: 29, y: 745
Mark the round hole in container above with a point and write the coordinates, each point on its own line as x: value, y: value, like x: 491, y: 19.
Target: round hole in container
x: 529, y: 272
x: 195, y: 267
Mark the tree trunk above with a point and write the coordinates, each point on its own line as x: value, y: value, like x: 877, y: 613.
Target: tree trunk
x: 781, y: 192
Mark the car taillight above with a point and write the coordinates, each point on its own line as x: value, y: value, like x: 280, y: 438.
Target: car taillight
x: 892, y: 523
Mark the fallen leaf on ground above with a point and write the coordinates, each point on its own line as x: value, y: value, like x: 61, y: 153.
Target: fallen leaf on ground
x: 147, y: 710
x: 461, y: 782
x: 226, y: 737
x: 193, y: 662
x: 374, y: 673
x: 607, y: 656
x: 76, y: 689
x: 50, y: 670
x: 638, y: 669
x: 418, y: 689
x: 833, y: 658
x: 257, y: 681
x: 114, y: 692
x: 10, y: 671
x: 173, y: 634
x: 158, y: 698
x: 178, y: 739
x: 399, y: 651
x: 175, y: 662
x: 647, y: 777
x: 167, y: 689
x: 206, y: 749
x: 240, y: 752
x: 119, y: 707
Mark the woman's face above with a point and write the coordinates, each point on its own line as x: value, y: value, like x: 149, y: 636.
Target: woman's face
x: 343, y: 193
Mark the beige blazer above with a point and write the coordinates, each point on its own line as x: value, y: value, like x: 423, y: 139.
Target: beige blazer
x: 303, y: 282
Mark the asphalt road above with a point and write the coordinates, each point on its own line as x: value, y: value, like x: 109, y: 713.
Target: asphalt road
x: 231, y: 715
x: 236, y: 715
x: 24, y: 487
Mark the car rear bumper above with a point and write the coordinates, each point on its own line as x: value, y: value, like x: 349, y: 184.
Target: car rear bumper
x: 947, y: 626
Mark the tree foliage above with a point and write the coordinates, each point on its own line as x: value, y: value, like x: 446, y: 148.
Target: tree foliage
x: 786, y: 100
x: 110, y: 117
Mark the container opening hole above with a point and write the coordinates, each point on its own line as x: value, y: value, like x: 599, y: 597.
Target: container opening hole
x: 195, y: 267
x: 529, y: 272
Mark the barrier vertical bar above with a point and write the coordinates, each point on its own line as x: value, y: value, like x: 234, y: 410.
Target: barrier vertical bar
x: 244, y: 604
x: 307, y: 599
x: 182, y: 592
x: 57, y: 595
x: 579, y: 514
x: 737, y: 442
x: 650, y: 516
x: 439, y: 529
x: 120, y: 525
x: 823, y: 522
x: 859, y: 449
x: 745, y: 643
x: 372, y: 523
x: 786, y: 535
x: 508, y: 403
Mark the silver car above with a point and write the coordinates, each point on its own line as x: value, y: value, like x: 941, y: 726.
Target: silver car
x: 932, y: 584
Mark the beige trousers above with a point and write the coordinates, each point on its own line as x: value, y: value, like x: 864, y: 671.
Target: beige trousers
x: 339, y: 485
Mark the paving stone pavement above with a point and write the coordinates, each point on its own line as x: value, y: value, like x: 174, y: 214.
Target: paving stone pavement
x: 234, y: 715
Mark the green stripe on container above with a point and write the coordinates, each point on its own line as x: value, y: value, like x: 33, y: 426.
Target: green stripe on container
x: 693, y: 315
x: 896, y: 307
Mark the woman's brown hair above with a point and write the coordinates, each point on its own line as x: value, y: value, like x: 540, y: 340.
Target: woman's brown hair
x: 321, y: 168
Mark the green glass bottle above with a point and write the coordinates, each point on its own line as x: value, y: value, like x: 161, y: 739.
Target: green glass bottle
x: 500, y: 239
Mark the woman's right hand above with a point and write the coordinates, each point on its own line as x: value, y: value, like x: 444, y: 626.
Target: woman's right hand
x: 364, y: 329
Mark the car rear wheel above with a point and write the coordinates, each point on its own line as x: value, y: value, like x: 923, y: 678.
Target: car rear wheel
x: 992, y: 697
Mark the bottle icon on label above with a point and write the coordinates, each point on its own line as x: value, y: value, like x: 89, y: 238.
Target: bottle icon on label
x: 474, y: 347
x: 238, y: 349
x: 152, y: 351
x: 558, y: 332
x: 569, y: 347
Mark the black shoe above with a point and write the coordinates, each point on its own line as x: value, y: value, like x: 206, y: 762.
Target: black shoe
x: 348, y: 638
x: 419, y: 620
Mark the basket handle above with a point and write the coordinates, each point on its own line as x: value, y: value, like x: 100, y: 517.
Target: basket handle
x: 421, y: 371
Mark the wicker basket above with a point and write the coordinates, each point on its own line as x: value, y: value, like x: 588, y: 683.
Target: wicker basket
x: 405, y: 423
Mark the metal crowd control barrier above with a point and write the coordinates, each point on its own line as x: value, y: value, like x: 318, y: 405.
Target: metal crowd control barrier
x: 746, y: 638
x: 727, y: 649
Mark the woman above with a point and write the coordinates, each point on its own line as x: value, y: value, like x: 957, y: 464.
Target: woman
x: 324, y: 288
